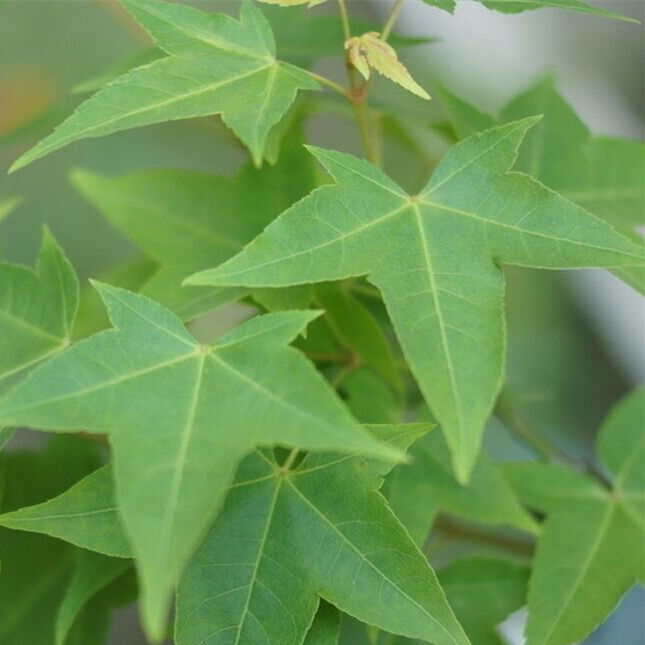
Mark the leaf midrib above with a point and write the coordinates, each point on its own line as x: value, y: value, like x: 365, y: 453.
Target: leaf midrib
x: 329, y: 523
x: 81, y: 133
x: 610, y: 508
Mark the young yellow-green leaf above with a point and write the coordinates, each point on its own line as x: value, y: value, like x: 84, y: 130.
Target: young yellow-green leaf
x: 516, y: 6
x: 179, y: 416
x: 325, y: 630
x: 435, y: 257
x: 92, y: 573
x: 215, y: 65
x: 591, y: 548
x: 483, y: 592
x: 37, y: 309
x: 419, y: 491
x: 187, y: 220
x: 604, y: 175
x: 370, y: 52
x: 322, y: 530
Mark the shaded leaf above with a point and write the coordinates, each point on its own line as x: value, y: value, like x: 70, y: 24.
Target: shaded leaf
x: 483, y: 592
x: 37, y: 309
x: 159, y: 393
x: 92, y: 573
x: 35, y: 568
x: 325, y: 630
x: 362, y: 560
x: 435, y: 257
x: 419, y: 491
x: 591, y: 548
x: 205, y: 218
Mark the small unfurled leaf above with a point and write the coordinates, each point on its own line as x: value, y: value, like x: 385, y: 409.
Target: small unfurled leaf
x: 180, y: 415
x: 425, y: 487
x: 37, y: 309
x: 369, y: 51
x: 590, y: 551
x: 483, y: 592
x: 436, y: 258
x: 215, y: 65
x: 187, y: 220
x: 92, y: 572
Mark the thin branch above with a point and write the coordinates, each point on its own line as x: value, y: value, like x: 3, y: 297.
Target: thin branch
x: 449, y: 529
x: 391, y: 19
x: 547, y: 450
x: 347, y: 30
x: 337, y: 87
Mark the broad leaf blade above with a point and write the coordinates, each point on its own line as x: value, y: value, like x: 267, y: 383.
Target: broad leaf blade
x: 364, y: 562
x: 446, y: 306
x: 128, y: 373
x: 216, y: 66
x: 205, y: 218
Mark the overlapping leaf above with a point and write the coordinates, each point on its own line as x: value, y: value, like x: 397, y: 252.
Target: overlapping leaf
x: 179, y: 416
x: 35, y: 568
x: 435, y: 257
x: 92, y: 573
x: 604, y: 175
x: 591, y: 548
x: 483, y: 592
x: 516, y: 6
x: 215, y: 65
x: 425, y: 487
x: 370, y: 51
x: 187, y: 220
x: 37, y: 309
x: 258, y: 571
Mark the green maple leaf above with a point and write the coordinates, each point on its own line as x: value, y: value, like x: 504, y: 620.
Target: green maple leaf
x: 179, y: 416
x: 516, y: 6
x: 215, y: 65
x: 37, y: 309
x: 322, y: 530
x: 325, y: 630
x: 590, y: 551
x: 435, y: 257
x: 262, y: 540
x: 604, y: 175
x: 483, y: 592
x: 205, y: 218
x: 35, y: 568
x: 92, y: 573
x: 427, y: 486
